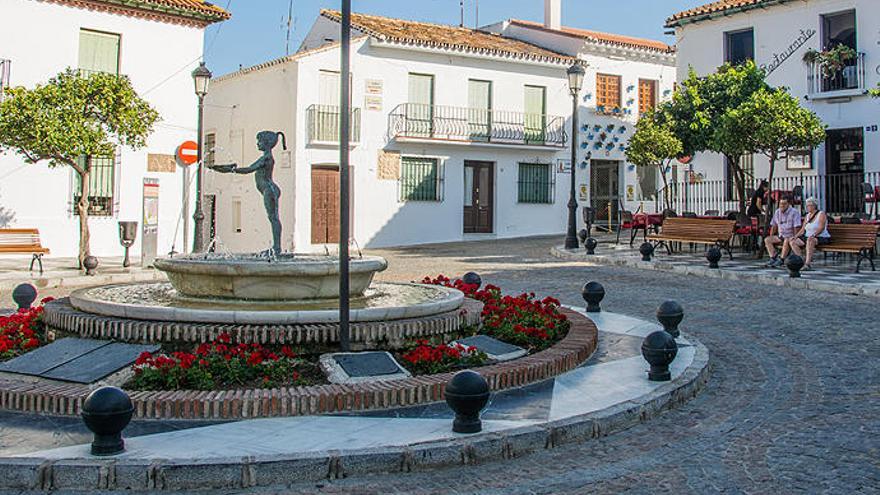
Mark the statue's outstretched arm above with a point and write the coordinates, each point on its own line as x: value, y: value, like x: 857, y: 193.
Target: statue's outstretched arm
x: 257, y: 165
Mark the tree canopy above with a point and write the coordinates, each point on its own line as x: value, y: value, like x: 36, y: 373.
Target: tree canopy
x: 654, y: 144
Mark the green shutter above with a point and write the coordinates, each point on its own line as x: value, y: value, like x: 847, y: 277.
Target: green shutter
x: 535, y: 114
x: 98, y: 52
x: 479, y: 109
x: 420, y: 110
x: 535, y: 183
x: 102, y: 184
x: 419, y: 179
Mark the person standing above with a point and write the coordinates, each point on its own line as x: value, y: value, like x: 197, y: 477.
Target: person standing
x: 783, y: 230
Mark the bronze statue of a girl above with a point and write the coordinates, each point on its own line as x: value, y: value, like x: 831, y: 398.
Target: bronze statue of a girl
x: 262, y: 170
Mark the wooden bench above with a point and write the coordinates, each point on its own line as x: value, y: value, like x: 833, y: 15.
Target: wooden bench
x: 857, y: 239
x: 696, y: 231
x: 23, y: 241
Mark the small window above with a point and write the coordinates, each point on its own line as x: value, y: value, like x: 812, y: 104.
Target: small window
x: 647, y: 95
x: 537, y: 183
x: 747, y: 164
x: 739, y: 46
x: 647, y: 182
x: 420, y: 179
x: 209, y: 146
x: 102, y: 185
x: 799, y: 160
x: 98, y: 52
x: 607, y: 92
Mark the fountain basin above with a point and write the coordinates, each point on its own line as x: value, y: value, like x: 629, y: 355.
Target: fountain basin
x: 255, y: 278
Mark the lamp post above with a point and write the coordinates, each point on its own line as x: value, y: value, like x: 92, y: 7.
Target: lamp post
x: 344, y: 155
x: 575, y: 83
x: 201, y: 79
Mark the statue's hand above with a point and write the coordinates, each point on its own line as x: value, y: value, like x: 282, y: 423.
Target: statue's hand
x: 224, y: 169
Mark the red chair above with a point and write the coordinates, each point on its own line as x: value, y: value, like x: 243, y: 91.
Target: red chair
x: 872, y: 198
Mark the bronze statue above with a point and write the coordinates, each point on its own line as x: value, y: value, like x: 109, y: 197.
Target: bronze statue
x: 262, y: 170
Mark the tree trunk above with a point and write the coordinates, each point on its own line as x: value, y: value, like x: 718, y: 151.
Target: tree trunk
x: 82, y: 209
x: 666, y: 198
x: 739, y: 178
x: 769, y: 213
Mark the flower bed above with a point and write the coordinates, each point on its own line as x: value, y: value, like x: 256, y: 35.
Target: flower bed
x: 22, y: 331
x: 427, y: 359
x: 522, y: 320
x: 218, y: 365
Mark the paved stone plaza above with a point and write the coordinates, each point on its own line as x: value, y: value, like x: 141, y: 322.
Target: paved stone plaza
x: 791, y: 405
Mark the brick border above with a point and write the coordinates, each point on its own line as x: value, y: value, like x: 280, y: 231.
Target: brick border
x: 140, y: 475
x: 66, y: 399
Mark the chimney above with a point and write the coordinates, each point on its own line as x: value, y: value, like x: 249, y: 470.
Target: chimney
x: 553, y: 14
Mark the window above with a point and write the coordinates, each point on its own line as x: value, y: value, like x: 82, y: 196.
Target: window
x: 647, y: 95
x: 739, y: 46
x: 799, y: 160
x: 647, y: 182
x: 537, y: 183
x: 209, y: 146
x: 840, y: 29
x: 535, y: 118
x: 747, y: 164
x: 420, y: 110
x: 102, y: 185
x: 5, y: 67
x: 607, y: 92
x: 420, y: 179
x: 479, y: 109
x: 98, y: 52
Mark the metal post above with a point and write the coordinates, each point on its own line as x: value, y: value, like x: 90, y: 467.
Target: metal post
x: 199, y: 215
x: 571, y: 240
x: 344, y: 134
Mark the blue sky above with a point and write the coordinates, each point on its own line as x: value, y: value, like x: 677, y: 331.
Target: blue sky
x: 257, y: 31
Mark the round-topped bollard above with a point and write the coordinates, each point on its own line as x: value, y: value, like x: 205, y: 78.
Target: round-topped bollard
x: 794, y: 263
x: 593, y: 293
x: 670, y: 314
x: 106, y: 412
x: 472, y: 278
x: 713, y: 255
x: 24, y: 295
x: 467, y: 394
x: 590, y: 244
x: 646, y: 250
x: 90, y: 263
x: 659, y: 350
x: 583, y: 235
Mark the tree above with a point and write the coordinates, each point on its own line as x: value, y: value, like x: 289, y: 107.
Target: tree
x: 71, y: 119
x: 876, y: 91
x: 654, y: 144
x: 771, y: 122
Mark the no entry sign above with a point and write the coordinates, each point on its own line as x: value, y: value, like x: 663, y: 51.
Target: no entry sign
x: 188, y: 152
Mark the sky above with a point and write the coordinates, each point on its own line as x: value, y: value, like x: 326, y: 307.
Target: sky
x: 257, y: 31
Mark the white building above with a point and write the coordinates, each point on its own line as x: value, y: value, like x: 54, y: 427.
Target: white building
x: 156, y: 43
x: 458, y: 134
x: 776, y: 34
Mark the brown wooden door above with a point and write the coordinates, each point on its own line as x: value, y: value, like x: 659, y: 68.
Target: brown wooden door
x: 325, y: 205
x: 479, y: 193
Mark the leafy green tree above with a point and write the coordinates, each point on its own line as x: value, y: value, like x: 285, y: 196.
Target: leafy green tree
x: 654, y: 144
x: 71, y: 119
x: 876, y: 91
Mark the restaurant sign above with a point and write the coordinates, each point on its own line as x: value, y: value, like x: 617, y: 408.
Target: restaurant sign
x: 780, y: 58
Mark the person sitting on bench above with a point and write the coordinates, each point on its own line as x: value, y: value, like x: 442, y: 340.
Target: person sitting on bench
x: 783, y: 229
x: 813, y: 233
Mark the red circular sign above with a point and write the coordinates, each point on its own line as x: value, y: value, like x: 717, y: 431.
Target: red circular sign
x: 188, y: 152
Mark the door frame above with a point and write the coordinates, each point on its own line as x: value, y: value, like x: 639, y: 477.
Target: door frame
x: 618, y: 195
x: 476, y: 164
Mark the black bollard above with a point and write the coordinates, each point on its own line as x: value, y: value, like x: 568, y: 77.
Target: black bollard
x: 590, y: 244
x: 670, y: 314
x: 467, y: 393
x: 583, y: 235
x: 714, y: 256
x: 90, y: 263
x: 24, y: 295
x: 106, y: 412
x: 646, y: 250
x: 794, y: 263
x: 472, y: 278
x: 659, y: 350
x: 593, y: 293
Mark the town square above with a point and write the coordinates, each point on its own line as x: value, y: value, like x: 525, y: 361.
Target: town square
x: 476, y: 248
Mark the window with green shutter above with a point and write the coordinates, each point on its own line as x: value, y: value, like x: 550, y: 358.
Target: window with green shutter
x: 535, y: 118
x: 420, y: 179
x: 537, y: 183
x: 98, y: 52
x: 102, y: 185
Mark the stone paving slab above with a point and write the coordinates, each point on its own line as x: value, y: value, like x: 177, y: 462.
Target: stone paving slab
x: 62, y: 272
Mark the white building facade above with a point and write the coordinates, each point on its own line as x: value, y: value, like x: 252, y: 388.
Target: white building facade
x: 776, y: 34
x: 458, y: 134
x: 156, y: 44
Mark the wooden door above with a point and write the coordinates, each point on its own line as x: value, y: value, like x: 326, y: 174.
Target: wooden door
x: 479, y: 193
x: 325, y: 205
x: 605, y: 189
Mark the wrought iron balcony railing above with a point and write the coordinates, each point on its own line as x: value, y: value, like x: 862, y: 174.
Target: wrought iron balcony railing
x: 850, y: 79
x: 472, y: 125
x: 324, y: 124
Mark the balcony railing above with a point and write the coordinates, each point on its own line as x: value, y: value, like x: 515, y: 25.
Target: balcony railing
x: 324, y: 124
x: 851, y: 79
x: 472, y: 125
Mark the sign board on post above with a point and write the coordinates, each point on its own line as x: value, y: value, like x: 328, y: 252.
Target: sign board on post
x: 188, y: 152
x: 150, y: 234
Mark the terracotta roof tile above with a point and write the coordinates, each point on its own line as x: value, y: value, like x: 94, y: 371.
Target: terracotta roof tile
x: 714, y: 8
x: 449, y: 37
x: 613, y: 39
x: 197, y: 10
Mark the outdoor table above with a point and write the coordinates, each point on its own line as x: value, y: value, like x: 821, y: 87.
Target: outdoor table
x: 643, y: 222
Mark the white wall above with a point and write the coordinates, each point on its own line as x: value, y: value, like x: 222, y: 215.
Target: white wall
x: 701, y: 46
x: 42, y: 39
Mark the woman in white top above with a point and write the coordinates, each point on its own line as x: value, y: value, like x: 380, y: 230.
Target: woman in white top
x: 814, y: 232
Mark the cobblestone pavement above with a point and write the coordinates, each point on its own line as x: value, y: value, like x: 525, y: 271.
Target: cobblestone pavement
x: 792, y: 406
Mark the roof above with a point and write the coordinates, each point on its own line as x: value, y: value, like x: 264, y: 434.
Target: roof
x: 199, y: 12
x: 282, y: 60
x: 447, y: 37
x: 600, y: 37
x: 720, y: 7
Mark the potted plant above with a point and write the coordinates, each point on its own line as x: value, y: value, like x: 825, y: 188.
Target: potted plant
x: 832, y: 61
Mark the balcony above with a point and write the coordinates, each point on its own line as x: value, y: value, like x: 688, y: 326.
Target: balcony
x: 847, y: 83
x: 421, y: 122
x: 323, y: 121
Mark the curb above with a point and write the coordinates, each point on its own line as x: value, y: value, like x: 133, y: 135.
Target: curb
x: 284, y: 470
x: 705, y: 271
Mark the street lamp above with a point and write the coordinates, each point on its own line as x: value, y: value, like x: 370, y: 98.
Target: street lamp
x: 201, y: 78
x: 575, y: 83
